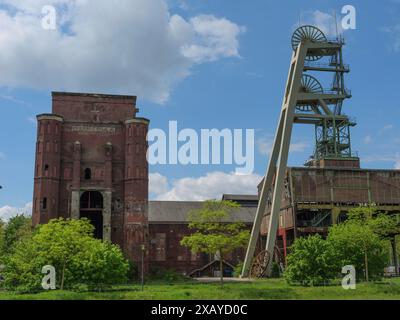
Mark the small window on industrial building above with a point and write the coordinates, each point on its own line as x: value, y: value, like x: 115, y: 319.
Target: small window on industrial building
x: 44, y: 204
x: 88, y: 174
x: 46, y: 170
x: 160, y: 244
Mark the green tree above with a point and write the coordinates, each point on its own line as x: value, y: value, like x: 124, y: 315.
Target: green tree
x: 100, y: 265
x: 386, y: 226
x: 214, y: 231
x: 60, y: 240
x: 17, y: 229
x: 69, y: 246
x: 311, y: 262
x: 358, y: 245
x: 2, y: 225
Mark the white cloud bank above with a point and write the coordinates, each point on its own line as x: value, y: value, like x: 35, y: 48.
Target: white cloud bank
x: 8, y: 212
x: 127, y: 46
x: 326, y: 22
x: 211, y: 186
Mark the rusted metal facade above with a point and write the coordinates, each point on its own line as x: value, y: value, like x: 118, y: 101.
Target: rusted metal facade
x: 315, y: 198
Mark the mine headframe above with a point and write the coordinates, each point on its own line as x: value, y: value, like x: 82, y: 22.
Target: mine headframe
x: 315, y: 60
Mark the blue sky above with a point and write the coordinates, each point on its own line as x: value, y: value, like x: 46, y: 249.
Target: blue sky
x: 235, y: 82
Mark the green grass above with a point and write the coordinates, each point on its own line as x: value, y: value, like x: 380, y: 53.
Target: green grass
x: 262, y: 289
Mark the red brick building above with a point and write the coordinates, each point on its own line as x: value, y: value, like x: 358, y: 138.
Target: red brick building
x: 91, y: 162
x: 168, y: 225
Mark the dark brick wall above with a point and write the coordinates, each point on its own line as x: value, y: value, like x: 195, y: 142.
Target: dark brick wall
x: 174, y: 255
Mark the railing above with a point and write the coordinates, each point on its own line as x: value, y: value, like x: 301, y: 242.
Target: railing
x: 347, y: 92
x: 314, y: 64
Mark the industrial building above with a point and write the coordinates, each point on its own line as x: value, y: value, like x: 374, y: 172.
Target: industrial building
x: 91, y: 162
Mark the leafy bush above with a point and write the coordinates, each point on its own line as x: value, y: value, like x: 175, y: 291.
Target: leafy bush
x: 237, y: 271
x: 69, y: 246
x: 354, y: 244
x: 99, y: 266
x: 16, y: 229
x: 311, y: 262
x: 167, y: 275
x: 276, y: 270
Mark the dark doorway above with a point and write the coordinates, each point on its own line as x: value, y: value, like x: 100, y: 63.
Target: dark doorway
x: 92, y: 209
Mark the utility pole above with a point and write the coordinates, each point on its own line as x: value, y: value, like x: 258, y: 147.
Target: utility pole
x: 142, y: 268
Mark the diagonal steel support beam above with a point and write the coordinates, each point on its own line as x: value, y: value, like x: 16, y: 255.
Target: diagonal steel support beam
x: 278, y: 161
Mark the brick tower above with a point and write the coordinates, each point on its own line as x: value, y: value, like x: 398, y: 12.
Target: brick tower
x: 91, y: 162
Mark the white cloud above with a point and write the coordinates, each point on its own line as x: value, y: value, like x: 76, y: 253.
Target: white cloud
x: 11, y: 99
x: 388, y: 127
x: 158, y: 184
x: 385, y: 128
x: 394, y: 33
x: 368, y: 139
x: 32, y: 120
x: 216, y: 38
x: 211, y: 186
x: 265, y: 145
x: 324, y: 21
x: 8, y: 212
x: 397, y: 164
x: 298, y: 146
x: 129, y: 46
x: 395, y: 159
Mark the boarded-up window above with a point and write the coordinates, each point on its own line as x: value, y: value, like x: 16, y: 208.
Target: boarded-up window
x: 182, y: 251
x: 160, y: 247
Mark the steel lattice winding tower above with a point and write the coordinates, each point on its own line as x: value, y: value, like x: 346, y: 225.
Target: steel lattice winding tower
x: 305, y: 101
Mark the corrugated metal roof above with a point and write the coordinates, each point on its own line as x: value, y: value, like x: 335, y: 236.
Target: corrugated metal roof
x: 177, y: 212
